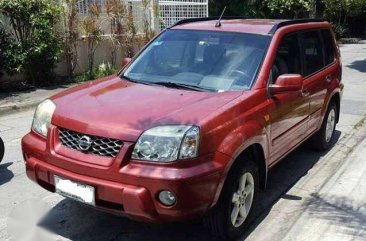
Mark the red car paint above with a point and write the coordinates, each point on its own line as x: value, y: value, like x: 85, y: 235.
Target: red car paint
x: 230, y: 122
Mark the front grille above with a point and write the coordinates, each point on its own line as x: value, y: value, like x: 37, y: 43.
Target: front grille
x: 87, y: 144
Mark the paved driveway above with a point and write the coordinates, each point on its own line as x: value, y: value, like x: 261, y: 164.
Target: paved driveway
x: 303, y: 200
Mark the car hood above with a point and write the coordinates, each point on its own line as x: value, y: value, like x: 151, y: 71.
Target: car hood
x: 119, y: 109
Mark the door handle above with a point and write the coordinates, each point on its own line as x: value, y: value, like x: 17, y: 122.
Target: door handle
x: 305, y: 93
x: 328, y: 78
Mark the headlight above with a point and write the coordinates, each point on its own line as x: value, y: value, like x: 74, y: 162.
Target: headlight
x: 42, y: 117
x: 167, y: 143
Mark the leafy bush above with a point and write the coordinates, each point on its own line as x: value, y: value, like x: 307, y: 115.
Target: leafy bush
x: 339, y: 30
x: 8, y: 61
x: 290, y: 8
x: 70, y: 35
x: 4, y: 43
x: 92, y: 30
x: 36, y: 44
x: 339, y: 12
x: 102, y: 71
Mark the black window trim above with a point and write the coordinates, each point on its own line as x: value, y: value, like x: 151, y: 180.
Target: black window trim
x: 297, y: 33
x: 302, y: 57
x: 322, y: 41
x: 334, y: 47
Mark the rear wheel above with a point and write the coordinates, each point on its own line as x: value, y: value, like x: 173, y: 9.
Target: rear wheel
x: 2, y: 149
x: 229, y: 219
x: 323, y: 139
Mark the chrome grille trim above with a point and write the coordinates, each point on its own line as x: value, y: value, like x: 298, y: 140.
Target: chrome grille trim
x: 100, y: 146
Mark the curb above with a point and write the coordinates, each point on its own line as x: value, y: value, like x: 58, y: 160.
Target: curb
x: 13, y: 108
x: 31, y: 102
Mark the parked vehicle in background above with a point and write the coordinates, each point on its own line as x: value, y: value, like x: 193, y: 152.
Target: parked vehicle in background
x: 2, y: 149
x: 191, y: 126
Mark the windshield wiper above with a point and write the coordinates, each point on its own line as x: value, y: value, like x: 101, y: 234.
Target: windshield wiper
x: 136, y: 81
x: 181, y: 86
x: 168, y: 84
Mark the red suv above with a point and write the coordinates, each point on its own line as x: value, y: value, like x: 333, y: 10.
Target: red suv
x: 190, y: 127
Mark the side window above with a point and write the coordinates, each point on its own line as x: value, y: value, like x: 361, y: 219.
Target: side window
x: 328, y: 46
x: 288, y: 58
x: 312, y: 51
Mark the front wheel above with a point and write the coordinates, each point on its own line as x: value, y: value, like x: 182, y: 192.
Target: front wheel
x: 323, y: 139
x: 229, y: 219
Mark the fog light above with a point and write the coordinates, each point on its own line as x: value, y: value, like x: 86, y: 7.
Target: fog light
x: 167, y: 198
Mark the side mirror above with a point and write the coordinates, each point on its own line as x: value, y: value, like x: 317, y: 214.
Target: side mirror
x: 287, y: 83
x: 125, y: 62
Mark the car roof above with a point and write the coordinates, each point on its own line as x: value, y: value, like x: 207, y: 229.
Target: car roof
x: 240, y: 24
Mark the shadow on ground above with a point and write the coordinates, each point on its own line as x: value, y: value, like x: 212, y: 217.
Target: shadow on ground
x: 341, y: 212
x: 359, y: 65
x: 5, y: 174
x: 75, y: 221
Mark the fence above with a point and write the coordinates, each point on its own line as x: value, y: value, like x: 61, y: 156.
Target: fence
x: 173, y: 11
x: 170, y: 11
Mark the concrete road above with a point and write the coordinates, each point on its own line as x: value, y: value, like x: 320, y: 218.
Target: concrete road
x: 310, y: 196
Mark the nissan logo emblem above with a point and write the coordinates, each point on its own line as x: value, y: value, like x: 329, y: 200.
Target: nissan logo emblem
x: 85, y: 143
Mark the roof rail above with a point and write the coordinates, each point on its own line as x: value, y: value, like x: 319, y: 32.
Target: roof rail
x: 294, y: 21
x: 192, y: 20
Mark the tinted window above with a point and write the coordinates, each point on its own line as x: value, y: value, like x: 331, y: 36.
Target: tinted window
x: 211, y: 60
x: 288, y: 58
x: 313, y: 53
x: 328, y: 46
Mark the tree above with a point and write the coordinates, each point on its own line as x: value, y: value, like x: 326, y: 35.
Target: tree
x: 248, y: 8
x: 4, y: 45
x: 36, y: 45
x: 338, y: 12
x: 291, y: 8
x: 91, y: 26
x: 117, y: 15
x: 70, y: 35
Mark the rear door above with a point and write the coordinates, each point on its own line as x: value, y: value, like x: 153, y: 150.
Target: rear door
x: 317, y: 48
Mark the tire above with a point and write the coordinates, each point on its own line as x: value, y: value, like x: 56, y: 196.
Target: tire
x: 2, y: 149
x: 219, y: 221
x: 323, y: 139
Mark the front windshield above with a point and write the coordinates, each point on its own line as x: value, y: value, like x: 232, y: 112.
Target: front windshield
x: 209, y: 60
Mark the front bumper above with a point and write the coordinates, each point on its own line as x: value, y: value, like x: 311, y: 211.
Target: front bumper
x: 130, y: 188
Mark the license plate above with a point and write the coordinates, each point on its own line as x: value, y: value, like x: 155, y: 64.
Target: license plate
x: 77, y: 191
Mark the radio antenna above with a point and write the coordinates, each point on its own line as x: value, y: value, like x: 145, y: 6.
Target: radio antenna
x: 218, y: 24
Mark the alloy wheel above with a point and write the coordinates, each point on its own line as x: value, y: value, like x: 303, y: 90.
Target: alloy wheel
x: 330, y: 125
x: 242, y: 199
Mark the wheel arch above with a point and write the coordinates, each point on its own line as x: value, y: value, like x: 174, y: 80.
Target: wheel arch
x: 254, y: 151
x: 336, y: 98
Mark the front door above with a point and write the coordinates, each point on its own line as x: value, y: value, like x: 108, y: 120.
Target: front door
x: 288, y: 116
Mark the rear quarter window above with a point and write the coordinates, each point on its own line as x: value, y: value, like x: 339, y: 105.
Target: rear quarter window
x: 312, y: 48
x: 329, y: 48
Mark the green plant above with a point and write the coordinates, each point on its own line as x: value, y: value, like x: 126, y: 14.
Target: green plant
x: 339, y: 30
x: 117, y: 13
x: 36, y: 44
x: 131, y: 32
x: 338, y: 12
x: 91, y: 26
x: 248, y: 8
x: 102, y: 71
x: 70, y: 35
x: 4, y: 45
x: 147, y: 30
x: 291, y: 8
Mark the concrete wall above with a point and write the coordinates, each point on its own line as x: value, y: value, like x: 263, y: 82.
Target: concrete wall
x: 103, y: 54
